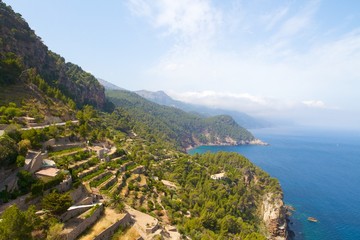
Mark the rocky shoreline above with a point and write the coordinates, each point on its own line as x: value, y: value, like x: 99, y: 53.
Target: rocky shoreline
x: 234, y: 143
x: 274, y: 216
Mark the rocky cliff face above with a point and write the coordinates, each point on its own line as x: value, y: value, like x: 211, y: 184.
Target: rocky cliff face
x: 273, y: 214
x: 19, y: 40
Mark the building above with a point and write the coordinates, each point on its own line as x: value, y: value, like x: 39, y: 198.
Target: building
x: 218, y: 176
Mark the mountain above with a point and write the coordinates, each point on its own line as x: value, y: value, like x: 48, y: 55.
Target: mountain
x: 128, y: 156
x: 176, y: 126
x: 23, y: 56
x: 241, y: 118
x: 108, y: 85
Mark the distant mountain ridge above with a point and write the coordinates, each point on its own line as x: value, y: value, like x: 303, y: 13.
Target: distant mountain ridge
x: 160, y: 97
x: 241, y: 118
x: 108, y: 85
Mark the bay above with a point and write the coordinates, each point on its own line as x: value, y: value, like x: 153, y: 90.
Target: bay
x: 319, y: 171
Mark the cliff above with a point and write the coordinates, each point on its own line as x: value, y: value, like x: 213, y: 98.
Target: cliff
x: 273, y: 214
x: 21, y: 49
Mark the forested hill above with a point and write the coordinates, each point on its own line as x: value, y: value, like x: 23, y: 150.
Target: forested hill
x: 176, y: 126
x: 23, y: 55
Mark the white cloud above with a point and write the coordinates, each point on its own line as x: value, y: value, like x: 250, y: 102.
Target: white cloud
x: 314, y: 103
x: 188, y: 20
x: 244, y: 57
x: 310, y: 112
x: 244, y: 102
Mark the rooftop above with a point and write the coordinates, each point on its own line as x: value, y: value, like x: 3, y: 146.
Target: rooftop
x: 49, y: 172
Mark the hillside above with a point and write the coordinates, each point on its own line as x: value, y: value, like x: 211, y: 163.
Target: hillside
x: 176, y: 126
x: 71, y: 170
x: 241, y: 118
x: 21, y: 50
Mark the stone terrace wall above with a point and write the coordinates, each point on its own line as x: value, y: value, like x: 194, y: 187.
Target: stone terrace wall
x: 87, y: 172
x: 85, y: 224
x: 107, y: 233
x: 110, y: 183
x: 72, y: 213
x: 79, y: 193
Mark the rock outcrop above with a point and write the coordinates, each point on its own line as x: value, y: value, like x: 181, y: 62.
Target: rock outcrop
x: 19, y: 41
x: 273, y: 214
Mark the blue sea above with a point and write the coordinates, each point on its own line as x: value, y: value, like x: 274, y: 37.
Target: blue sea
x: 319, y: 171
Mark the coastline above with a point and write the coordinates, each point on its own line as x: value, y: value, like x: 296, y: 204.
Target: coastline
x: 255, y: 141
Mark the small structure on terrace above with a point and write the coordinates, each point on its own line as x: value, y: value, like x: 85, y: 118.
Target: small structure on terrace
x: 218, y: 176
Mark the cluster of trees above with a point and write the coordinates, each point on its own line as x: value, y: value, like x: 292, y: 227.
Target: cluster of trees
x: 16, y: 224
x: 203, y: 208
x: 10, y: 111
x: 50, y: 91
x: 10, y: 68
x: 19, y: 225
x: 225, y: 208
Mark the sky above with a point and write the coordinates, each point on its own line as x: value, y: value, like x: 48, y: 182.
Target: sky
x: 284, y: 59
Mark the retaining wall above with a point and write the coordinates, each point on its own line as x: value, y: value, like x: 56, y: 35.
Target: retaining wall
x: 110, y: 183
x: 110, y: 231
x: 85, y: 224
x: 72, y: 213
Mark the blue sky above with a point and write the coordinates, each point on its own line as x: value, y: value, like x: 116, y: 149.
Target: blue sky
x: 277, y: 59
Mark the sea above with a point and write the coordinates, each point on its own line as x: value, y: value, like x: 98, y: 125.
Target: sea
x: 319, y: 172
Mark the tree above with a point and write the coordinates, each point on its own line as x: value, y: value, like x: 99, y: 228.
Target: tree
x: 230, y: 224
x: 24, y: 146
x: 255, y: 236
x: 55, y: 231
x: 20, y: 161
x: 33, y: 136
x: 37, y: 189
x: 18, y: 225
x: 209, y: 220
x: 8, y: 151
x: 25, y: 180
x: 117, y: 202
x: 57, y: 203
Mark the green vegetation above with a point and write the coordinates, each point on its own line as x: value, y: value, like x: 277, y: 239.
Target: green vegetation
x: 56, y: 203
x: 226, y: 207
x: 96, y: 183
x: 7, y: 113
x: 21, y: 50
x: 146, y: 135
x: 54, y: 232
x: 92, y: 210
x: 25, y: 181
x: 62, y: 152
x: 8, y: 151
x: 171, y: 125
x: 11, y: 67
x: 92, y: 175
x: 18, y: 225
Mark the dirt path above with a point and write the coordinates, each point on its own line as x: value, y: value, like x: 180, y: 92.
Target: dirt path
x: 165, y: 217
x: 48, y: 125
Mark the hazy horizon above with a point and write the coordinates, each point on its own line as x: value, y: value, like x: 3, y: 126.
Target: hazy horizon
x: 295, y: 60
